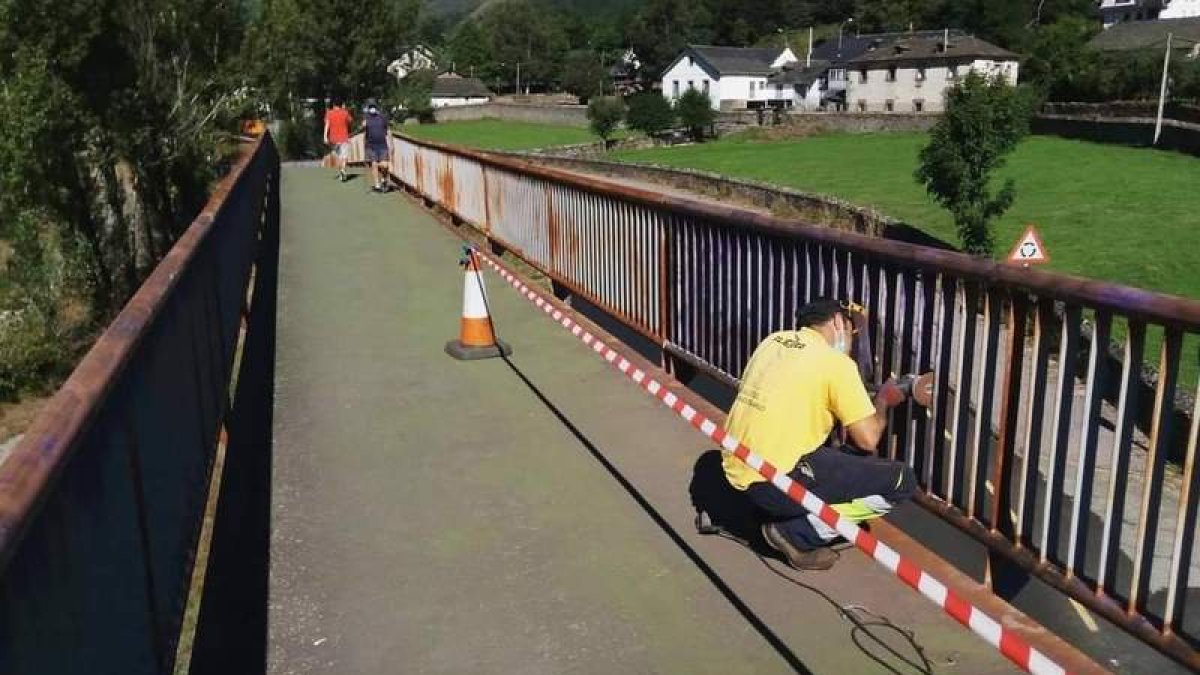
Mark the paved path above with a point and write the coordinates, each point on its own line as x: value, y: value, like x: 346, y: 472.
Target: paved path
x: 432, y: 516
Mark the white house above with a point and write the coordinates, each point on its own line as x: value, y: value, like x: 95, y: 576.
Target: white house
x: 1113, y: 12
x: 453, y: 90
x: 731, y: 77
x: 912, y: 72
x: 799, y: 86
x: 840, y: 50
x: 1179, y: 9
x: 418, y: 57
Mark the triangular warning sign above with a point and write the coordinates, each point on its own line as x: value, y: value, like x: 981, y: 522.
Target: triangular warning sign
x: 1029, y: 249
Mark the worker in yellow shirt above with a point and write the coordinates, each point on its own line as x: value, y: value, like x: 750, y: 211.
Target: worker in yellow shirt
x: 798, y: 384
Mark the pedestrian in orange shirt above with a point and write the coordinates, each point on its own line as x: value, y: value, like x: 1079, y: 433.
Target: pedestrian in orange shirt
x: 337, y: 135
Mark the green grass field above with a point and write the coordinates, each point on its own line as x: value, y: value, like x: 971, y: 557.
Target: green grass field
x: 500, y: 135
x: 1123, y: 214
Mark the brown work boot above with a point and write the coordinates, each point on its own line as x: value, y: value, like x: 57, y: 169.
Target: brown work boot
x: 816, y: 559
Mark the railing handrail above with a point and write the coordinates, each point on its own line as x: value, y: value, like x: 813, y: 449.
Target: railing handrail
x: 29, y: 472
x: 1151, y: 306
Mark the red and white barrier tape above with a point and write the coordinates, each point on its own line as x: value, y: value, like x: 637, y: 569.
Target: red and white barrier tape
x: 1012, y: 646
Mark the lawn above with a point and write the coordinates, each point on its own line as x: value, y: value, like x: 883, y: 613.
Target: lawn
x: 501, y: 135
x: 1123, y: 214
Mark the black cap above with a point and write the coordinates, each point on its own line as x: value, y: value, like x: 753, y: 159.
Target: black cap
x: 821, y: 310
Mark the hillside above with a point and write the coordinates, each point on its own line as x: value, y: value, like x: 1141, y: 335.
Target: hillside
x: 592, y: 7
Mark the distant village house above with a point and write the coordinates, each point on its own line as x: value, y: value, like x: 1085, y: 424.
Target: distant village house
x: 454, y: 90
x: 912, y: 73
x: 1113, y: 12
x: 731, y: 77
x: 418, y: 57
x: 886, y: 72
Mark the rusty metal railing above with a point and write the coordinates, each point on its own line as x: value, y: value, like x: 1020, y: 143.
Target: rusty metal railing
x: 1041, y: 442
x: 101, y: 502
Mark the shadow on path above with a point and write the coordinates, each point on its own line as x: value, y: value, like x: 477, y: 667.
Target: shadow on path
x: 738, y: 522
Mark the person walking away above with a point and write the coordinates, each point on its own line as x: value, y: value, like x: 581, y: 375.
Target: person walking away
x: 797, y: 385
x: 378, y: 145
x: 337, y: 135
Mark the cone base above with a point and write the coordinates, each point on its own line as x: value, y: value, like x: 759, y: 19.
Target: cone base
x: 463, y: 352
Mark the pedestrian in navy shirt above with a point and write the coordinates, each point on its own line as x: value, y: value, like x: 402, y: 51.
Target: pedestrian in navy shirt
x: 378, y: 145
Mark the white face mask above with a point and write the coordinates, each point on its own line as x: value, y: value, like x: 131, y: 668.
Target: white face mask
x: 839, y: 340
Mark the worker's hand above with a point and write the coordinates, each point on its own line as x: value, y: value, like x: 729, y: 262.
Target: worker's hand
x: 894, y: 392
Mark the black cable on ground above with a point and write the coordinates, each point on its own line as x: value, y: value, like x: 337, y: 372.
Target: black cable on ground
x: 849, y: 613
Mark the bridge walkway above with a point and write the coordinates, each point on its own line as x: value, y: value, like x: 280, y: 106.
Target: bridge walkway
x: 532, y: 516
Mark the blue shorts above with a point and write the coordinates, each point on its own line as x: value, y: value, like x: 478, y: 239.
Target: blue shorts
x: 377, y: 153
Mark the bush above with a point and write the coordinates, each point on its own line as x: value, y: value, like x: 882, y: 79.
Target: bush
x: 695, y: 112
x: 605, y: 114
x: 650, y: 113
x: 32, y: 356
x: 299, y: 139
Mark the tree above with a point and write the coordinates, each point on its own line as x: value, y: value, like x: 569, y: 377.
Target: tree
x: 413, y: 93
x: 695, y: 112
x: 584, y: 76
x: 662, y: 29
x: 1058, y: 56
x: 605, y: 114
x: 985, y: 118
x: 467, y: 49
x: 519, y: 32
x: 112, y: 117
x: 650, y: 113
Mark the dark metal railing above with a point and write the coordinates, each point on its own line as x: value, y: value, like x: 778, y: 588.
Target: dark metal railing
x: 1040, y: 443
x: 102, y: 501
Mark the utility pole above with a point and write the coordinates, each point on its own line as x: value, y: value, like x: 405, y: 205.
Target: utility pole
x: 808, y: 57
x: 1162, y: 92
x: 517, y: 92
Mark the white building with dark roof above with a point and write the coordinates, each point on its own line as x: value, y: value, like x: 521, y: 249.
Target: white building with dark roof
x: 731, y: 77
x: 912, y: 73
x: 1113, y: 12
x: 453, y: 90
x: 418, y: 57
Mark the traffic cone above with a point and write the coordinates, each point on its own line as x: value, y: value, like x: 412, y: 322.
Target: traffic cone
x: 476, y: 337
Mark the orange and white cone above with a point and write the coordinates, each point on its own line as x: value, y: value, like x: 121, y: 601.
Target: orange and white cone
x: 476, y: 336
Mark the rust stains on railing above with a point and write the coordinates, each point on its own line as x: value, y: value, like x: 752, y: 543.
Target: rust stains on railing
x: 1134, y: 302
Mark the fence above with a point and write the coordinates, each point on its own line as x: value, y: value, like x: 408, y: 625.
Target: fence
x: 1020, y: 449
x: 101, y: 503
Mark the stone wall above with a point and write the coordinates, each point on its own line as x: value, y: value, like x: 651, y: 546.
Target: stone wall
x: 1178, y: 111
x: 1135, y: 131
x: 789, y: 124
x: 562, y: 115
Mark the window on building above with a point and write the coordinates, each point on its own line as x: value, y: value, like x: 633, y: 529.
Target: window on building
x: 692, y: 61
x: 891, y: 74
x: 675, y: 89
x: 952, y: 72
x: 706, y: 87
x: 862, y: 75
x: 778, y: 91
x: 919, y: 105
x: 691, y: 85
x: 889, y: 105
x: 862, y: 105
x: 920, y: 74
x: 753, y: 88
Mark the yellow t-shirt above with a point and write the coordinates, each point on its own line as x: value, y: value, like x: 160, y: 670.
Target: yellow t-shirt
x: 793, y: 390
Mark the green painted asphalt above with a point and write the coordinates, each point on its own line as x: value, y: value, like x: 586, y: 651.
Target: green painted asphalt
x: 432, y: 516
